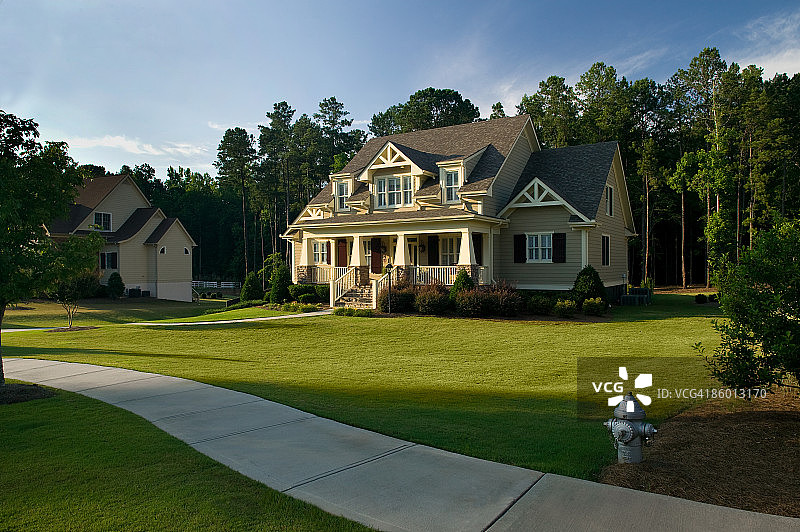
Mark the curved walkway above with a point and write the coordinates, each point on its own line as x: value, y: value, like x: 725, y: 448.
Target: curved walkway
x: 380, y: 481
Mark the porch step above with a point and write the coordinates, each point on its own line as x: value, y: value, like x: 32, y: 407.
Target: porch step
x: 356, y: 297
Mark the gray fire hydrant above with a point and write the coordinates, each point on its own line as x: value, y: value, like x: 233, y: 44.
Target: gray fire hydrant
x: 628, y: 431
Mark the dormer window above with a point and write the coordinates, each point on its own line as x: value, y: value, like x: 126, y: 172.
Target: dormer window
x: 451, y: 185
x: 394, y: 191
x: 103, y: 220
x: 342, y: 193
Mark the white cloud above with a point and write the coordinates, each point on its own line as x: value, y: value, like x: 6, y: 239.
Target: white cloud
x: 115, y: 141
x: 184, y: 149
x: 773, y: 43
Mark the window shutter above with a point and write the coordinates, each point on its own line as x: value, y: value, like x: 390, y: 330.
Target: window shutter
x: 519, y: 248
x: 559, y: 247
x: 328, y: 252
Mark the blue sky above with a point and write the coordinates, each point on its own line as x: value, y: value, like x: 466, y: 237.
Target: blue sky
x: 128, y: 82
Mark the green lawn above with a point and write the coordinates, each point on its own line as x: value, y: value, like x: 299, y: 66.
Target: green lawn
x: 501, y: 390
x: 103, y: 312
x: 73, y: 463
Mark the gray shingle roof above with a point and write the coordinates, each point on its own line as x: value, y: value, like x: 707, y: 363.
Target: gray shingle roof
x: 389, y: 216
x: 445, y: 143
x: 576, y: 173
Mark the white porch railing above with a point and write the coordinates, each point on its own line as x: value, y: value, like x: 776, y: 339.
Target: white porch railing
x: 379, y: 284
x: 445, y: 275
x: 342, y: 284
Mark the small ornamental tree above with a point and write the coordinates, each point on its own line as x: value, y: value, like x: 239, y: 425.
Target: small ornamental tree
x: 588, y: 286
x: 279, y: 284
x: 760, y: 297
x: 115, y: 286
x: 251, y: 288
x: 462, y: 282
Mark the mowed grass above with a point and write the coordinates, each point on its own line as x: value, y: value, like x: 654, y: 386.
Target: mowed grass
x: 496, y: 389
x: 73, y: 463
x: 92, y: 312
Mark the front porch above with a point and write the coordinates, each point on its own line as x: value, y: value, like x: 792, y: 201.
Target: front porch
x: 356, y: 266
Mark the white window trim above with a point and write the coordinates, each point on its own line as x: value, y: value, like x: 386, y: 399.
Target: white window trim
x: 455, y: 188
x: 401, y: 190
x: 320, y: 252
x: 341, y: 198
x: 609, y: 204
x: 540, y: 247
x: 110, y: 221
x: 609, y: 251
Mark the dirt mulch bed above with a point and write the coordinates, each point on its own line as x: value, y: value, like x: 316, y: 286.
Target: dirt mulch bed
x: 728, y: 452
x: 19, y: 393
x: 70, y: 329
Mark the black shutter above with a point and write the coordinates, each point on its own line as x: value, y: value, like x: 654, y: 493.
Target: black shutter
x: 519, y: 248
x: 559, y: 247
x: 328, y: 252
x: 113, y: 260
x: 433, y: 250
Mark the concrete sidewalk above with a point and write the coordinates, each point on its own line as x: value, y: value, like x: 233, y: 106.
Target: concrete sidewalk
x: 380, y: 481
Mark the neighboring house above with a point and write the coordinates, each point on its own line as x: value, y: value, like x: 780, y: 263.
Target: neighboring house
x: 151, y: 252
x: 482, y: 197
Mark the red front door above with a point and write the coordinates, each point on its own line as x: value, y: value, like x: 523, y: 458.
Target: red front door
x: 341, y: 253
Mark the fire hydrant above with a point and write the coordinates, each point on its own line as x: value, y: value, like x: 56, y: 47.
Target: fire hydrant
x: 628, y: 431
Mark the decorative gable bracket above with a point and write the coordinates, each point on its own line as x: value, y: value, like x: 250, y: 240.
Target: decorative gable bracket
x: 537, y: 194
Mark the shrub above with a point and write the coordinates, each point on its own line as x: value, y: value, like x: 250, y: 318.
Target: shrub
x: 279, y: 284
x: 565, y: 308
x: 115, y: 286
x: 700, y: 299
x: 323, y: 293
x: 403, y: 298
x: 588, y: 286
x: 475, y: 303
x: 432, y: 299
x: 509, y: 302
x: 307, y: 298
x: 462, y: 282
x: 594, y: 307
x: 298, y: 290
x: 251, y: 288
x: 541, y: 304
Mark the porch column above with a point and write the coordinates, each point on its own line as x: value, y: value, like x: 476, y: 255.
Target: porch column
x: 357, y: 256
x: 401, y: 254
x: 466, y: 255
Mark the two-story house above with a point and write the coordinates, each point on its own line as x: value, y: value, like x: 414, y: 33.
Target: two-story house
x: 151, y: 252
x: 482, y: 197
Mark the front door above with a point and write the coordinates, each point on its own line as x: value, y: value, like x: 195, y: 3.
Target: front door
x: 376, y: 261
x: 341, y: 253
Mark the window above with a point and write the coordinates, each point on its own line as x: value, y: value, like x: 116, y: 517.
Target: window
x: 394, y: 191
x: 186, y: 251
x: 368, y: 250
x: 108, y: 260
x: 449, y: 248
x: 407, y: 190
x: 381, y: 186
x: 609, y: 200
x: 342, y: 195
x: 451, y: 186
x: 320, y: 252
x: 163, y: 250
x: 103, y: 220
x: 540, y: 247
x: 606, y: 250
